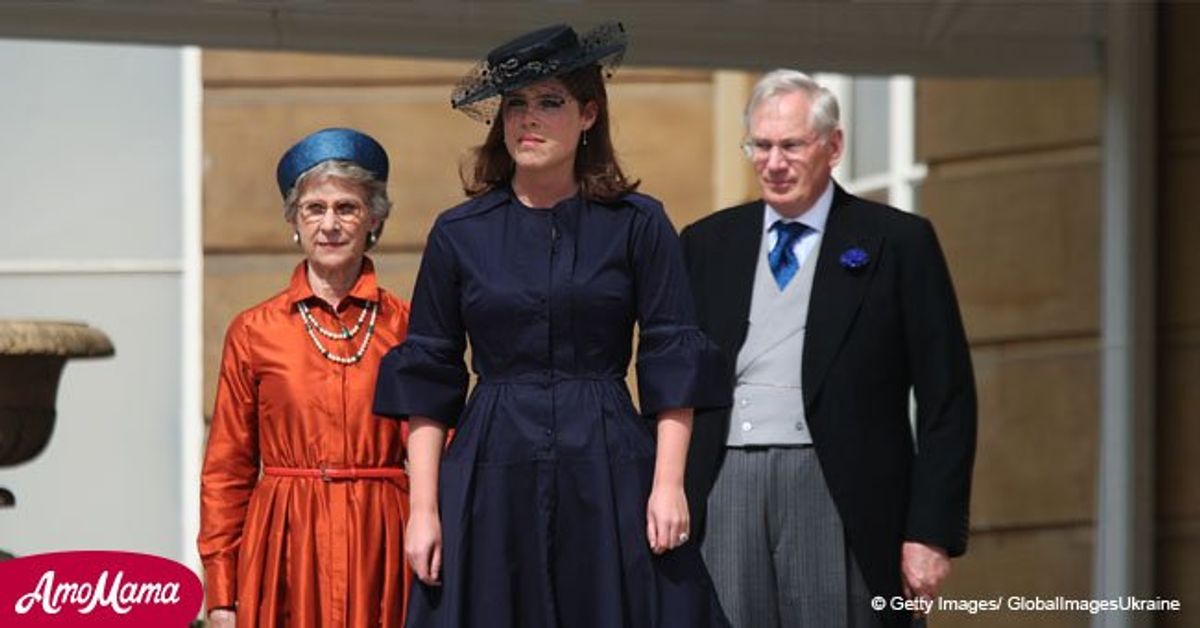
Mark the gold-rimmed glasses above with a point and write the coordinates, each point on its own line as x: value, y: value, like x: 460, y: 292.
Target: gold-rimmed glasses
x: 345, y: 212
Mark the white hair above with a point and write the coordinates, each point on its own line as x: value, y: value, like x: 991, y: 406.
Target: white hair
x: 377, y: 201
x: 824, y: 113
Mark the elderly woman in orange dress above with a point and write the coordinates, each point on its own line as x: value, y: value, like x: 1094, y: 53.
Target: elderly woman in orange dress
x: 303, y: 495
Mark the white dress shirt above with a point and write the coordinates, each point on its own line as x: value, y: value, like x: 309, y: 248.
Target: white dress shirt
x: 814, y: 218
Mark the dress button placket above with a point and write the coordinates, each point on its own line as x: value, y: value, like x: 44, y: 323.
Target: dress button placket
x: 546, y: 316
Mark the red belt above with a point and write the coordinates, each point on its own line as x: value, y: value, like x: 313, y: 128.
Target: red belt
x: 327, y: 474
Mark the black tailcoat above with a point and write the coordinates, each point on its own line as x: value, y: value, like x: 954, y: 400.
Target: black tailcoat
x: 873, y: 334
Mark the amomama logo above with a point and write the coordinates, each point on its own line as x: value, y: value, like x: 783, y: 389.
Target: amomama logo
x: 97, y: 589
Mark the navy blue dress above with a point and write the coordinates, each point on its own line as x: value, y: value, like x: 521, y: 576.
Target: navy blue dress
x: 543, y: 489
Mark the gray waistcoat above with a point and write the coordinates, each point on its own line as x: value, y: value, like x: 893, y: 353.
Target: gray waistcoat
x: 768, y: 404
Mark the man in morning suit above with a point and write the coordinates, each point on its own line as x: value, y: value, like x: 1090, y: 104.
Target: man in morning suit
x: 814, y: 492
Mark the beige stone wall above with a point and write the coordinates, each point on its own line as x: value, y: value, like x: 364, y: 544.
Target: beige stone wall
x: 1178, y: 499
x: 1013, y: 190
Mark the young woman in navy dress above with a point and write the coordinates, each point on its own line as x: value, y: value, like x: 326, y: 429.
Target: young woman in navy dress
x: 557, y: 503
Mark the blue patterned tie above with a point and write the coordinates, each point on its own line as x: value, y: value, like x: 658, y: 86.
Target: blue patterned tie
x: 782, y: 259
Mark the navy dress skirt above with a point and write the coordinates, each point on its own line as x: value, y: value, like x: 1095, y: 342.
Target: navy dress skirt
x: 544, y: 487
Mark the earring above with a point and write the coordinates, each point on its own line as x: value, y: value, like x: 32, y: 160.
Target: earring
x: 296, y: 238
x: 584, y: 137
x: 372, y: 238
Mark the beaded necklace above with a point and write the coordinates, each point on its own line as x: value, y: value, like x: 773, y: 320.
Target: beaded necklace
x: 311, y: 324
x: 345, y: 334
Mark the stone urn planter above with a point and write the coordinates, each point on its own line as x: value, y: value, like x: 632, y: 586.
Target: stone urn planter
x: 32, y: 356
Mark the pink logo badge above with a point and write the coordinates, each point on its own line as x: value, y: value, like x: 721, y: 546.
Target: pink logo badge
x: 97, y: 589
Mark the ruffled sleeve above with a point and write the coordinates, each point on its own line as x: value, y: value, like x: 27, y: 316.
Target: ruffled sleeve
x: 677, y: 365
x: 425, y: 375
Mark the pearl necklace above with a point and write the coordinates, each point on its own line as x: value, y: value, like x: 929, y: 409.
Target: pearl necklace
x: 311, y: 323
x: 345, y: 334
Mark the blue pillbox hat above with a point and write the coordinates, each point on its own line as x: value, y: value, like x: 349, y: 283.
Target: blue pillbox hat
x: 336, y: 144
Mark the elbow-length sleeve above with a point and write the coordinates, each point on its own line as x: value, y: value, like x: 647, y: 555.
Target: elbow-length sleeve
x: 425, y: 375
x: 230, y: 469
x: 677, y: 365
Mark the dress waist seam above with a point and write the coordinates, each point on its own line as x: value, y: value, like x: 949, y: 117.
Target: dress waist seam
x: 535, y: 381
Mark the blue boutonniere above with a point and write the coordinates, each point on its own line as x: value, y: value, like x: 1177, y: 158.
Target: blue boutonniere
x: 854, y: 258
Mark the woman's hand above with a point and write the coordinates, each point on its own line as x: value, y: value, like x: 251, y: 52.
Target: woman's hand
x: 423, y: 535
x: 667, y: 521
x: 222, y: 618
x: 423, y: 546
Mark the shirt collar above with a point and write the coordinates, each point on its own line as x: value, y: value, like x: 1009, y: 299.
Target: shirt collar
x: 365, y: 288
x: 814, y: 217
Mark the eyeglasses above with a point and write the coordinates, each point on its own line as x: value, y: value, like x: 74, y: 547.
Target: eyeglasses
x: 792, y: 149
x: 345, y: 212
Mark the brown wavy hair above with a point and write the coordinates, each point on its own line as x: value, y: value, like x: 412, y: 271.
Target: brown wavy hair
x: 596, y: 169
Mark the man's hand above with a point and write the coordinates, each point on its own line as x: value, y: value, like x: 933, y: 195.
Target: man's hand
x: 922, y: 569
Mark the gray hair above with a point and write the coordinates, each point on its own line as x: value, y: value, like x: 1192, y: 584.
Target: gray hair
x: 823, y: 115
x: 378, y: 203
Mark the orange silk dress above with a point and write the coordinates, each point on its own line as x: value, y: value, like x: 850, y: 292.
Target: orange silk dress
x: 303, y: 551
